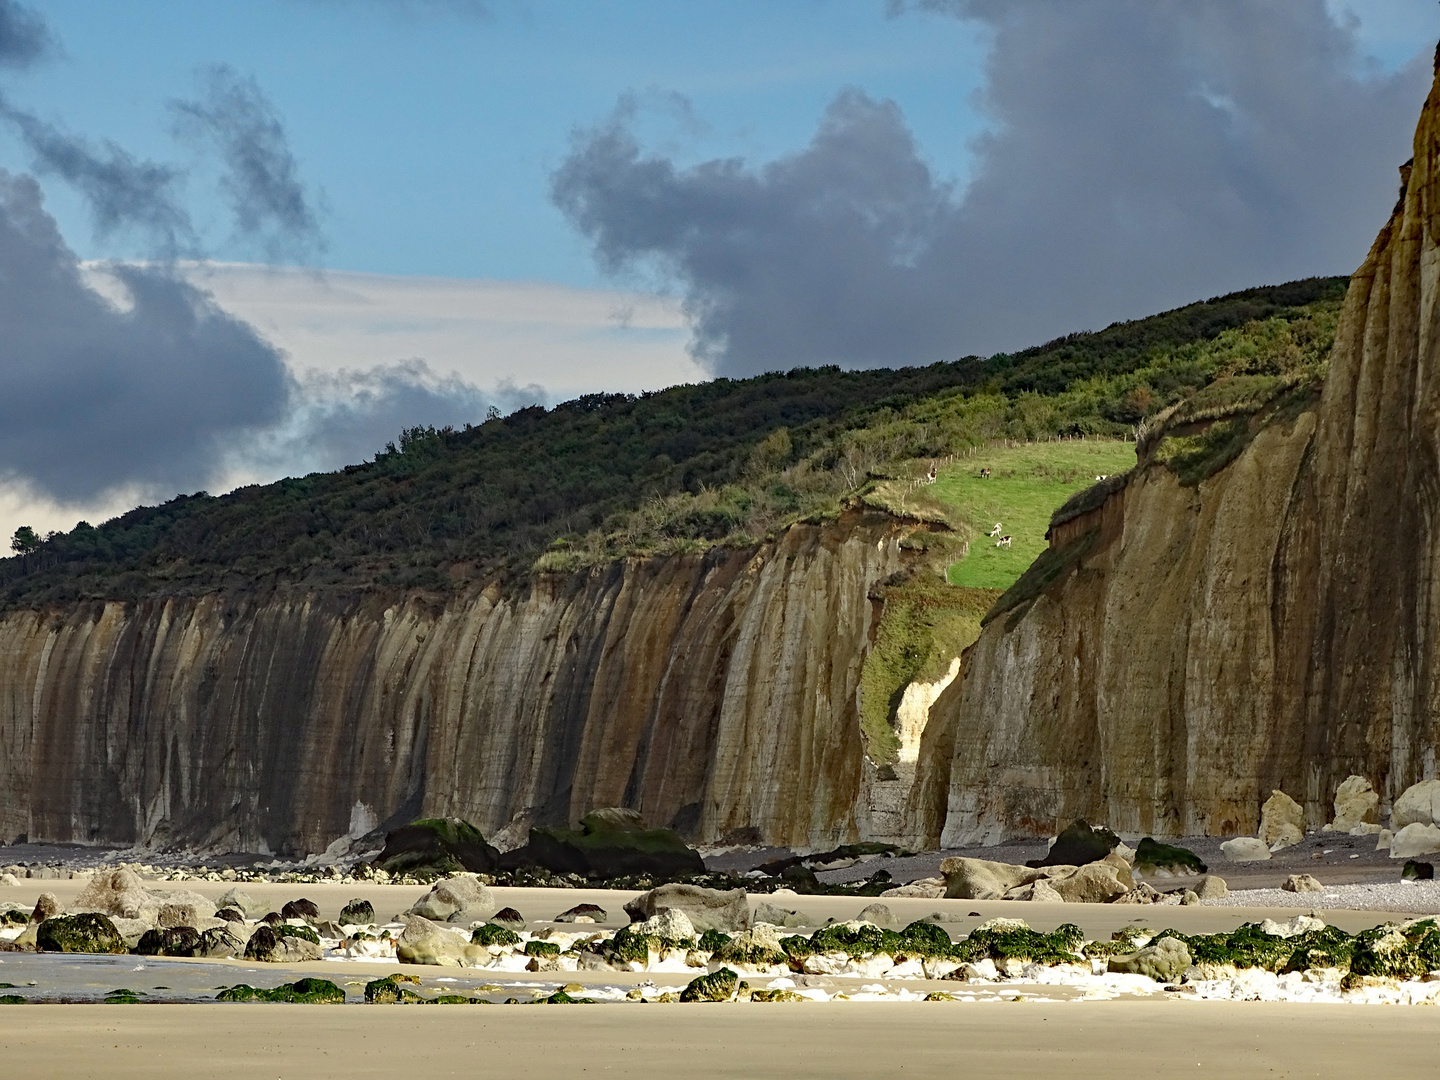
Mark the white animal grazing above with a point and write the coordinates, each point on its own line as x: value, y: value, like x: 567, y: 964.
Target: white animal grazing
x: 996, y: 530
x: 1004, y: 542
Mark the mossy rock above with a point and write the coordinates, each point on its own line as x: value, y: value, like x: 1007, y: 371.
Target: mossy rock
x: 631, y: 946
x: 1151, y: 853
x: 174, y: 941
x: 776, y: 995
x: 391, y: 990
x: 610, y: 843
x: 751, y: 955
x: 560, y: 997
x: 542, y: 948
x: 713, y: 940
x: 1398, y: 953
x: 88, y: 932
x: 1061, y: 946
x: 439, y: 846
x: 13, y: 999
x: 864, y: 940
x: 358, y: 913
x: 940, y: 995
x: 926, y: 939
x: 286, y: 930
x: 123, y: 996
x: 307, y: 991
x: 491, y: 934
x: 721, y: 985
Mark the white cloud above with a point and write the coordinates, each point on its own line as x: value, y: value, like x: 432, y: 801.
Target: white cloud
x: 570, y: 341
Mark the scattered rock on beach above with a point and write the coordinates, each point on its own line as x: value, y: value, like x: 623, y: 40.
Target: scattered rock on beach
x: 425, y: 942
x: 46, y: 907
x: 1298, y: 883
x: 175, y: 941
x: 1164, y: 961
x: 267, y: 946
x: 300, y: 909
x: 611, y: 842
x: 509, y: 918
x: 1282, y: 821
x: 1038, y: 891
x: 1417, y: 871
x: 981, y: 879
x: 671, y: 924
x: 1245, y: 849
x: 923, y: 888
x: 719, y: 986
x: 1211, y: 887
x: 460, y: 898
x: 879, y: 914
x: 241, y: 901
x: 1153, y: 857
x: 1077, y: 845
x: 220, y: 943
x: 1417, y: 803
x: 583, y: 913
x: 1415, y: 839
x: 438, y: 845
x: 229, y: 914
x: 87, y: 932
x: 707, y: 909
x: 1356, y: 804
x: 766, y: 912
x: 358, y: 913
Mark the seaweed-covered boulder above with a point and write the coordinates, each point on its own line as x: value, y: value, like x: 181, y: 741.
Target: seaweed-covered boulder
x: 272, y: 946
x: 1414, y: 870
x: 707, y: 909
x: 1282, y: 821
x: 491, y: 934
x: 300, y: 992
x: 610, y: 843
x: 756, y: 947
x: 1077, y: 845
x: 391, y: 990
x: 591, y: 913
x: 357, y: 913
x: 172, y: 941
x: 87, y: 932
x: 220, y: 942
x: 981, y: 879
x: 1153, y: 857
x: 721, y: 985
x: 300, y: 909
x: 1164, y: 961
x: 229, y: 914
x: 438, y: 846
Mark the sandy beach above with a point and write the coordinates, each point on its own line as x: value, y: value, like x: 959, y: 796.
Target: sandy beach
x: 795, y: 1041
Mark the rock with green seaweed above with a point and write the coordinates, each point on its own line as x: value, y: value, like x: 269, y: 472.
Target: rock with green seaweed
x: 609, y: 843
x: 1152, y: 856
x: 491, y: 934
x: 1005, y: 942
x: 306, y: 991
x: 721, y: 985
x: 437, y: 847
x: 87, y: 932
x: 543, y: 949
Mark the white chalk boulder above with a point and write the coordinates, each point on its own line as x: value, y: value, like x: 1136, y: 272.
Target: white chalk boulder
x: 1282, y: 821
x: 1245, y: 849
x: 1417, y: 803
x: 1415, y: 839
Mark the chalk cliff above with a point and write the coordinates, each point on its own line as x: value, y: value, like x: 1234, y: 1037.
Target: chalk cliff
x: 717, y: 692
x: 1274, y: 626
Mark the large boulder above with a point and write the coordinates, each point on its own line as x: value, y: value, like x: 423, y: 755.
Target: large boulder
x: 1298, y: 883
x: 358, y: 912
x: 1038, y: 891
x: 1165, y: 961
x: 1356, y: 804
x: 1245, y: 849
x: 1093, y: 883
x: 610, y: 843
x: 119, y: 893
x: 424, y: 942
x: 1166, y: 860
x: 981, y: 879
x: 1282, y: 821
x: 1417, y: 803
x: 266, y: 946
x: 173, y: 941
x: 87, y: 932
x: 240, y: 901
x: 460, y: 898
x: 1415, y: 839
x: 437, y: 846
x: 1077, y: 845
x: 1211, y: 887
x: 219, y: 943
x: 707, y: 909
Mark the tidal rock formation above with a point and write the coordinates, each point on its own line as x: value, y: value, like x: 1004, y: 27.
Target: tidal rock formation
x: 714, y: 693
x: 1190, y: 647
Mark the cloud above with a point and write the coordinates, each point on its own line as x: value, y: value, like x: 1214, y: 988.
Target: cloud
x: 1143, y: 154
x: 24, y: 36
x: 124, y: 192
x: 261, y: 178
x: 93, y: 397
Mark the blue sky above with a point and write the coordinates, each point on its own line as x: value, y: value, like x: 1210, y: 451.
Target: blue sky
x: 508, y: 201
x: 432, y: 132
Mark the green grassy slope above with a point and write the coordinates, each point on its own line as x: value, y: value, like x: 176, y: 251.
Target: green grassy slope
x: 729, y: 461
x: 1027, y: 484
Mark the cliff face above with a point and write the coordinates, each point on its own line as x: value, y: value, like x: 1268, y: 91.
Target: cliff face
x: 1274, y: 626
x: 718, y: 692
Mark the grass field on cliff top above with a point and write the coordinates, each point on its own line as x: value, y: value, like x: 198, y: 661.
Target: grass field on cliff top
x: 1027, y: 484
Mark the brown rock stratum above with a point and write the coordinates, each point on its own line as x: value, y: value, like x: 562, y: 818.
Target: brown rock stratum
x: 1273, y: 627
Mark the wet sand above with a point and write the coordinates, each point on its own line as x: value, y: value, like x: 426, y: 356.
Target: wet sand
x: 795, y: 1041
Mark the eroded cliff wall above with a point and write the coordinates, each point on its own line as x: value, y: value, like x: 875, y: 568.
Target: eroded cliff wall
x: 715, y: 691
x: 1274, y: 626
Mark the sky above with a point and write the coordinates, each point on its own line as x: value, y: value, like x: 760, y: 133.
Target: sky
x: 251, y: 238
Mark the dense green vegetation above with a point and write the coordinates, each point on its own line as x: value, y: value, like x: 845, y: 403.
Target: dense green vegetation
x: 725, y: 461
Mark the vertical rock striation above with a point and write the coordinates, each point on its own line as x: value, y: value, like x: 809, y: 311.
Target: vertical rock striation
x: 1272, y: 627
x: 718, y: 692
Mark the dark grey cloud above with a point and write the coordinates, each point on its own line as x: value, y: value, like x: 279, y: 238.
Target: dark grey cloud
x: 124, y: 192
x: 93, y: 397
x: 1144, y: 153
x: 261, y: 177
x: 24, y: 36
